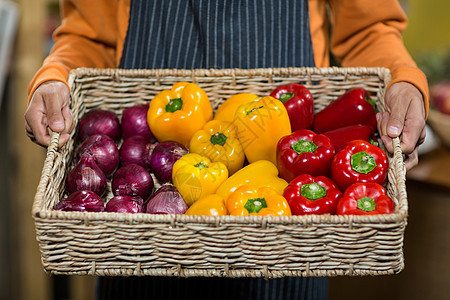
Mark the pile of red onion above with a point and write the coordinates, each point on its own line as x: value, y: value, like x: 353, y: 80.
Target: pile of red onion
x: 104, y: 150
x: 134, y: 122
x: 99, y: 121
x: 137, y: 150
x: 81, y: 201
x: 100, y: 162
x: 166, y: 200
x: 132, y: 180
x: 125, y: 204
x: 163, y: 157
x: 87, y: 176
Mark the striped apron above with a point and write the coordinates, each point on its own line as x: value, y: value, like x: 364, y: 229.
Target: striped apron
x: 189, y: 34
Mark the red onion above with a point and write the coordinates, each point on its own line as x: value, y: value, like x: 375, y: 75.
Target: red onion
x: 104, y: 150
x: 98, y: 121
x: 81, y: 201
x: 132, y: 180
x: 136, y: 150
x: 163, y: 157
x: 166, y: 200
x: 125, y: 204
x: 86, y: 175
x: 134, y: 122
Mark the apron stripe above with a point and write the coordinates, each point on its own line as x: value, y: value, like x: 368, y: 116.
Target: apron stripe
x: 217, y: 34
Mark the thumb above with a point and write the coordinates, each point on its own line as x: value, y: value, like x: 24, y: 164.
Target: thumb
x: 55, y: 97
x: 395, y: 125
x: 396, y: 121
x: 55, y: 118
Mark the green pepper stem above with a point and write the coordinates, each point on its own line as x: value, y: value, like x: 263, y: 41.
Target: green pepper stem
x: 362, y: 162
x: 371, y: 102
x: 285, y: 97
x: 255, y: 205
x: 174, y: 105
x: 201, y: 165
x: 218, y: 138
x: 253, y: 109
x: 313, y: 191
x: 303, y: 146
x: 373, y: 142
x: 366, y: 204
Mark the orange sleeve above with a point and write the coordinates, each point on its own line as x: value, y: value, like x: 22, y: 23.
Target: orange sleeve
x: 87, y: 37
x: 369, y: 33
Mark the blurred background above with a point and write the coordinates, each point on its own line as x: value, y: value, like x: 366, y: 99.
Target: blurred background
x: 25, y: 39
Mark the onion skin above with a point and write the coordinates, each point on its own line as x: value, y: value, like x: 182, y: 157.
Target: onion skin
x: 82, y: 201
x: 136, y: 150
x: 166, y: 200
x: 104, y: 150
x: 125, y: 204
x: 164, y: 155
x: 99, y: 121
x: 134, y: 122
x: 86, y: 175
x: 132, y: 180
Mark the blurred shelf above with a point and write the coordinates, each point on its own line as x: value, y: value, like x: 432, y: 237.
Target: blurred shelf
x: 433, y: 168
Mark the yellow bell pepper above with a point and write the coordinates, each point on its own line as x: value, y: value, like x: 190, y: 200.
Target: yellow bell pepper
x: 263, y: 201
x: 227, y: 109
x: 176, y: 114
x: 260, y: 124
x: 259, y: 174
x: 217, y: 141
x: 211, y: 205
x: 195, y: 176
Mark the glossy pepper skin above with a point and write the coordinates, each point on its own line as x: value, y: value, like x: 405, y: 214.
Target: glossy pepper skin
x: 359, y: 161
x: 226, y: 111
x: 340, y: 137
x: 195, y: 176
x: 365, y: 199
x: 353, y: 107
x: 299, y: 104
x: 304, y: 152
x: 309, y: 195
x: 263, y: 201
x: 258, y: 174
x: 176, y: 114
x: 211, y: 205
x: 218, y: 141
x: 260, y: 124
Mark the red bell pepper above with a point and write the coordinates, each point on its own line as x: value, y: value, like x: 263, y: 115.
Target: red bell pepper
x: 353, y: 107
x: 365, y: 199
x: 308, y: 195
x: 304, y: 152
x: 359, y: 161
x: 341, y: 136
x: 299, y: 104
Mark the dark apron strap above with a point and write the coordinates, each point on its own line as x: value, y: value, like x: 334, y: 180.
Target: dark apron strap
x: 193, y: 34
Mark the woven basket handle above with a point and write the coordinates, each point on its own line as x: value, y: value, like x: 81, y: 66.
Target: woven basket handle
x: 52, y: 149
x: 400, y: 179
x: 398, y: 154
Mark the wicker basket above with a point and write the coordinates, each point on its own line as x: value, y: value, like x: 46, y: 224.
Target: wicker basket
x: 118, y: 244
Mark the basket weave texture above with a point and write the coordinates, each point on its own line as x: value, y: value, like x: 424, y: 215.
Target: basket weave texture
x: 119, y: 244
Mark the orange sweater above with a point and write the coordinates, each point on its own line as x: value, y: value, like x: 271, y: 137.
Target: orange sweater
x: 365, y: 33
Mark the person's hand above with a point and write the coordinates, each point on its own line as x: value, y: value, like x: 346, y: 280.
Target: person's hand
x: 48, y: 111
x: 405, y: 116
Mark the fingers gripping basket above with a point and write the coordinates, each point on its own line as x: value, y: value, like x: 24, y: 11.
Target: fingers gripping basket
x: 117, y: 244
